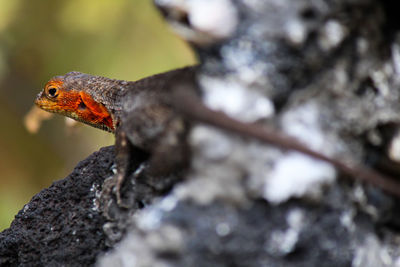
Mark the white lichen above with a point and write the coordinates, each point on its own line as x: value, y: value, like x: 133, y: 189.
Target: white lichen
x: 296, y: 32
x: 282, y: 242
x: 295, y: 175
x: 149, y: 219
x: 223, y: 229
x: 394, y: 148
x: 371, y: 254
x: 235, y: 100
x: 208, y: 20
x: 333, y: 33
x: 217, y: 18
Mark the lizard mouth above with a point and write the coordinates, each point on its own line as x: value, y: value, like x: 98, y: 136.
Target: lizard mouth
x: 50, y: 106
x: 43, y: 103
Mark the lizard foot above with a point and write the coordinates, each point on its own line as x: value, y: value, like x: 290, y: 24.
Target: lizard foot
x: 118, y: 181
x: 110, y: 197
x: 112, y: 185
x: 106, y: 200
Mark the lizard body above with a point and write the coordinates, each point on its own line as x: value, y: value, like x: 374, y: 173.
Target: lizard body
x: 137, y: 112
x: 141, y: 115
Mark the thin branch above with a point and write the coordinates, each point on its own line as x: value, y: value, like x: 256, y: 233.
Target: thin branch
x: 192, y: 107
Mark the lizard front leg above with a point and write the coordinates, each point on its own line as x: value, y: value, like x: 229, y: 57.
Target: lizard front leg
x: 160, y: 132
x: 127, y: 158
x: 124, y: 151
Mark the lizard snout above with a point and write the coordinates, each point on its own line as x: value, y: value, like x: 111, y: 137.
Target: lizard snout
x: 43, y: 102
x: 39, y: 99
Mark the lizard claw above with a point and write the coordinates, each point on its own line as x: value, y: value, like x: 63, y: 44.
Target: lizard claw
x: 119, y: 179
x: 112, y: 185
x: 105, y: 198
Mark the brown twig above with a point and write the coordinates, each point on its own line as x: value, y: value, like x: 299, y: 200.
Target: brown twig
x: 191, y: 106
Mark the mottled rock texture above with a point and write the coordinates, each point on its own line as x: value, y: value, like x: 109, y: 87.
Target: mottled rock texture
x: 61, y: 225
x: 325, y: 72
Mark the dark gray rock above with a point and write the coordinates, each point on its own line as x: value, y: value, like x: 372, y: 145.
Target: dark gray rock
x: 62, y: 224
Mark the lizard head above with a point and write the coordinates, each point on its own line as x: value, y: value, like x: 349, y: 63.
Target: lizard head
x: 68, y: 95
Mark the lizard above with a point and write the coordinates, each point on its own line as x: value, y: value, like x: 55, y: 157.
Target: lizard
x: 137, y: 112
x: 149, y: 114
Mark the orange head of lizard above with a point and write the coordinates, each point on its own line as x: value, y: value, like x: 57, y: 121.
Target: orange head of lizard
x: 60, y: 96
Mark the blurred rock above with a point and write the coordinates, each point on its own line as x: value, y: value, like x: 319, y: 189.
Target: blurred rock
x: 321, y: 71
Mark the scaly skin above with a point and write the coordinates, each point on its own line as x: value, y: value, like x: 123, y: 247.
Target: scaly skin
x: 59, y: 97
x: 137, y: 112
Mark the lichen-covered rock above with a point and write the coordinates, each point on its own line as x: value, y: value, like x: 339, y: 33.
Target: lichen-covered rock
x: 296, y: 233
x: 323, y: 72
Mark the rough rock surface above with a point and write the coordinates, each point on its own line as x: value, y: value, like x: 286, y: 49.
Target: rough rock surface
x: 61, y: 225
x: 325, y: 72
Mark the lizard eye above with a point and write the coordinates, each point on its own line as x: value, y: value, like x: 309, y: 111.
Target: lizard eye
x: 52, y: 92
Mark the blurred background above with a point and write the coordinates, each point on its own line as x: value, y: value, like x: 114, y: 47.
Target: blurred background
x: 123, y: 39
